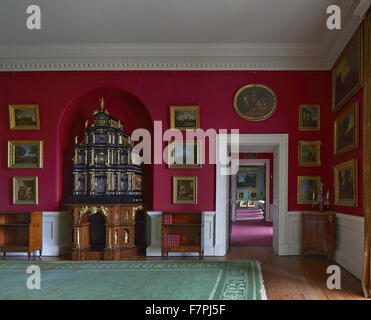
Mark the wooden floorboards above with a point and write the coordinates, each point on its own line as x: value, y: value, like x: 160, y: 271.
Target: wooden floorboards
x: 285, y: 278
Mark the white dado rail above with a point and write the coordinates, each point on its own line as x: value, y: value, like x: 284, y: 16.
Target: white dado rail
x: 348, y: 242
x: 56, y: 235
x: 153, y: 224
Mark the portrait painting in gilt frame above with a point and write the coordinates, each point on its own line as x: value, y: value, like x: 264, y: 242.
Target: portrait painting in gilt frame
x: 240, y: 195
x: 309, y: 153
x: 184, y: 117
x: 346, y: 183
x: 309, y: 117
x: 184, y: 154
x: 25, y: 154
x: 347, y: 73
x: 255, y: 102
x: 25, y: 190
x: 185, y: 189
x: 307, y: 189
x: 346, y: 130
x: 24, y: 117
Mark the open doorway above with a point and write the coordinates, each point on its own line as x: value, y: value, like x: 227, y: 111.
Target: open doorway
x: 251, y: 194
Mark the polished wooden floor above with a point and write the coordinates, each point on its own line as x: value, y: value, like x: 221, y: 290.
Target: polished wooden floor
x: 285, y: 278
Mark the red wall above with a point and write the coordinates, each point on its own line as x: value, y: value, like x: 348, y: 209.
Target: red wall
x: 139, y: 97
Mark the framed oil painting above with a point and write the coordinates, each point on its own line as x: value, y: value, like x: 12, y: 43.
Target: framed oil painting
x: 25, y: 190
x: 309, y: 153
x: 247, y: 180
x: 346, y: 183
x: 184, y: 154
x: 309, y: 117
x: 25, y: 154
x: 253, y: 195
x: 346, y: 130
x: 184, y: 117
x: 255, y: 102
x: 307, y: 189
x: 240, y: 195
x: 347, y: 73
x: 24, y: 117
x: 185, y: 189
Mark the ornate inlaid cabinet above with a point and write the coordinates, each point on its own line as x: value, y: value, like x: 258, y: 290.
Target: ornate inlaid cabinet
x: 107, y: 204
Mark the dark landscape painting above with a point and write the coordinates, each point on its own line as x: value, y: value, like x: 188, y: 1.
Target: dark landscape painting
x: 247, y: 180
x: 185, y: 119
x: 25, y: 117
x: 26, y: 154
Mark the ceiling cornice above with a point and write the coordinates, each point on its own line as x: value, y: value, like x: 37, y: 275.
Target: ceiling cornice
x: 185, y: 56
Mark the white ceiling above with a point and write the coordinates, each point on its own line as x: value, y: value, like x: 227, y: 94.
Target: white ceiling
x: 242, y: 32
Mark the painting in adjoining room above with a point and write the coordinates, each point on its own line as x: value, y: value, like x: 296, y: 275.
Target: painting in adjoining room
x: 247, y: 179
x: 253, y: 195
x: 25, y: 190
x: 347, y: 73
x: 346, y: 183
x: 309, y: 153
x: 309, y: 117
x: 307, y: 189
x: 240, y: 195
x: 185, y: 190
x: 24, y: 117
x: 255, y: 102
x: 346, y: 130
x: 184, y: 117
x: 25, y: 154
x: 183, y: 155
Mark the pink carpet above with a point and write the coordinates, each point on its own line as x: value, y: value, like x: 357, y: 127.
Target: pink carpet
x: 250, y: 230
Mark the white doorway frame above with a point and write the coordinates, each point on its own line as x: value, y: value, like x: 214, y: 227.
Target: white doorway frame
x: 233, y: 188
x: 279, y: 143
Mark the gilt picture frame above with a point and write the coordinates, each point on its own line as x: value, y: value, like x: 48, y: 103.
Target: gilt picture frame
x: 347, y: 74
x: 307, y: 189
x: 309, y: 117
x: 25, y: 154
x: 184, y: 154
x: 253, y: 195
x: 185, y: 189
x: 25, y: 190
x: 346, y: 183
x: 346, y: 130
x: 184, y: 117
x: 24, y: 117
x: 247, y: 179
x: 255, y: 102
x: 309, y: 153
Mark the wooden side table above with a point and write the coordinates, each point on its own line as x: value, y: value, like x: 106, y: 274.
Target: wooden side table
x: 318, y: 234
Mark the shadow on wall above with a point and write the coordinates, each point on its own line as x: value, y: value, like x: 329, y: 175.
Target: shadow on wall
x: 120, y: 104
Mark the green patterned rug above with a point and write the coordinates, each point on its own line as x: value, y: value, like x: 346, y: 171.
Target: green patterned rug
x: 127, y: 280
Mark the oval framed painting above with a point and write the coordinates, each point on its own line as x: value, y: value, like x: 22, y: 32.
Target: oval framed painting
x: 255, y: 102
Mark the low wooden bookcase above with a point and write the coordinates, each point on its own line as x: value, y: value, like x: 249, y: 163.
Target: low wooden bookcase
x: 21, y: 232
x: 181, y: 232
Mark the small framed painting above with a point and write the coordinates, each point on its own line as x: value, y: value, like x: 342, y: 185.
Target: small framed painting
x: 240, y: 195
x: 25, y: 154
x: 185, y: 189
x: 346, y: 183
x: 347, y: 73
x: 247, y: 180
x: 346, y: 130
x: 307, y: 189
x: 24, y: 117
x: 184, y: 154
x: 309, y: 153
x: 184, y: 117
x: 253, y: 195
x: 25, y: 190
x: 309, y: 117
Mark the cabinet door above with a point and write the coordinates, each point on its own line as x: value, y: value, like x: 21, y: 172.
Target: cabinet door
x: 35, y: 233
x: 314, y: 235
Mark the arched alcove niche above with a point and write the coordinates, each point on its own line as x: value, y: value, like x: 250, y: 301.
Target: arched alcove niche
x: 122, y: 105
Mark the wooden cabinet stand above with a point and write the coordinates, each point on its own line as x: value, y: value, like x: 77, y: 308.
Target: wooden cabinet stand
x: 21, y: 232
x: 181, y: 232
x: 318, y: 234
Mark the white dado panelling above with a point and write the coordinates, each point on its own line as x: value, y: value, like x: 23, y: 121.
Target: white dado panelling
x: 154, y: 221
x: 348, y: 242
x: 56, y: 237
